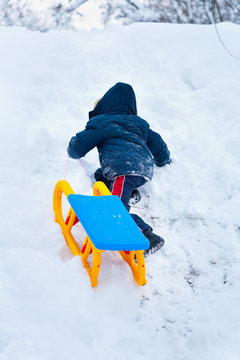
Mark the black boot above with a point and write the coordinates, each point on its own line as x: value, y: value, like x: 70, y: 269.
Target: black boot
x: 156, y: 242
x: 135, y: 197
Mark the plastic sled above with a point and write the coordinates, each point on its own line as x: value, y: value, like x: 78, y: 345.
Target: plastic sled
x: 108, y: 226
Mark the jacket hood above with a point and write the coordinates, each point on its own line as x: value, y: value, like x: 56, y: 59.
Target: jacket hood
x: 119, y: 99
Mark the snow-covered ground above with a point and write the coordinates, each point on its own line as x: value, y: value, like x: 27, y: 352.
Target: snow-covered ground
x: 188, y: 88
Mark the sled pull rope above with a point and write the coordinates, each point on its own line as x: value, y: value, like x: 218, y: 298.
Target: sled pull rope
x: 66, y: 165
x: 84, y: 169
x: 86, y: 174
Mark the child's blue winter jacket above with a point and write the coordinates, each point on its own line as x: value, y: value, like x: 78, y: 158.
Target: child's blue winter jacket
x: 125, y: 142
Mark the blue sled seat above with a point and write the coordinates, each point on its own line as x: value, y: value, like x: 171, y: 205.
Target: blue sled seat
x: 108, y: 223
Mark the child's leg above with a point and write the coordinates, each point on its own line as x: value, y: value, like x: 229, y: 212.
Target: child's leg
x: 135, y: 195
x: 123, y: 186
x: 99, y: 177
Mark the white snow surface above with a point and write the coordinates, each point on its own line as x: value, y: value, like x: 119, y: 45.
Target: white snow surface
x: 187, y: 88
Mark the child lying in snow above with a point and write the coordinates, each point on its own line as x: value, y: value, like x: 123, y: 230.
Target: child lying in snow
x: 127, y: 148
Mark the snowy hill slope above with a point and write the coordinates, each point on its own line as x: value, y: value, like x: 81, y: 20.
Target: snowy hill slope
x: 188, y: 88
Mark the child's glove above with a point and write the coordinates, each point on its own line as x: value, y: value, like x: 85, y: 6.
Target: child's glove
x: 70, y: 149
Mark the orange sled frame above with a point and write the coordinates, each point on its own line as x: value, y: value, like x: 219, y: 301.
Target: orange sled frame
x: 134, y: 258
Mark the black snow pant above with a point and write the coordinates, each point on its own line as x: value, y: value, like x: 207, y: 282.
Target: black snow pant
x: 123, y: 186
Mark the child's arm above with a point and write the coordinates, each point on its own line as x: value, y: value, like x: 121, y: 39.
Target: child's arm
x: 158, y: 148
x: 87, y: 139
x: 83, y: 142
